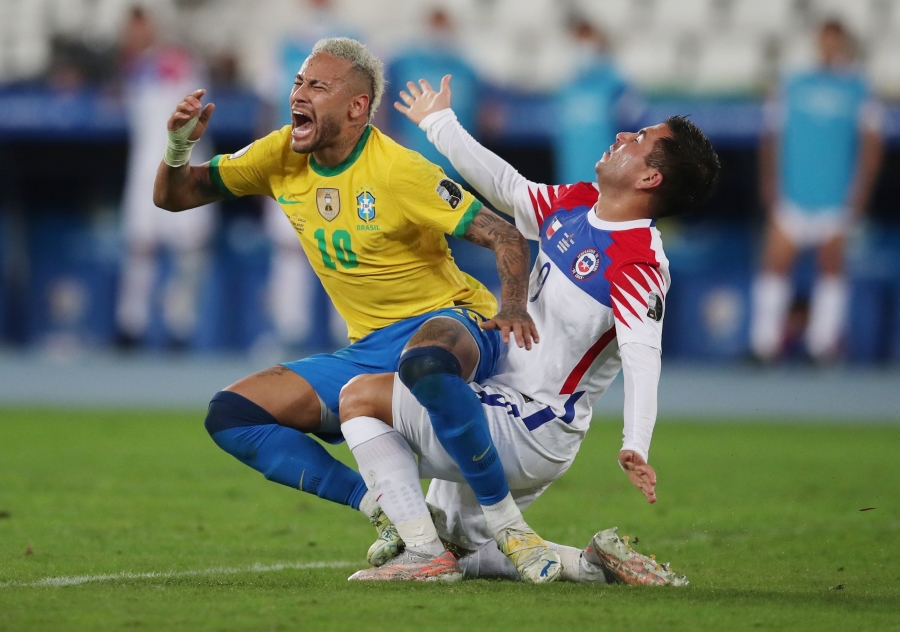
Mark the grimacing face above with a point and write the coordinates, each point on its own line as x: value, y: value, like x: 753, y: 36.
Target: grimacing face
x: 320, y: 100
x: 625, y: 162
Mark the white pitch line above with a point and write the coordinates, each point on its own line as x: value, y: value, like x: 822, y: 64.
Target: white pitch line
x: 55, y: 582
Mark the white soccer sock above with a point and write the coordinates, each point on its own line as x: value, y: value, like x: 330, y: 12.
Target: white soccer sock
x: 826, y: 319
x: 488, y: 563
x: 504, y: 514
x: 368, y: 505
x: 388, y: 466
x: 574, y: 568
x: 771, y: 299
x: 133, y: 308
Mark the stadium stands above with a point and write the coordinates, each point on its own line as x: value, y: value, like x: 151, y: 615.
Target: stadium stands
x: 515, y: 42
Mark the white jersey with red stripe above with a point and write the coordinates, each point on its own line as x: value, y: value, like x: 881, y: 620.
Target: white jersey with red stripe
x: 595, y: 286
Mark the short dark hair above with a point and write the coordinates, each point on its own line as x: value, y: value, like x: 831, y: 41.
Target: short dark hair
x: 689, y: 167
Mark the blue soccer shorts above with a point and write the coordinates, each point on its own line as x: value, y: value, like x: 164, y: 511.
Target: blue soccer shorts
x: 379, y: 352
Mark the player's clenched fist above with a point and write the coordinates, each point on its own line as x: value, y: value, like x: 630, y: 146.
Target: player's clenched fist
x: 186, y: 125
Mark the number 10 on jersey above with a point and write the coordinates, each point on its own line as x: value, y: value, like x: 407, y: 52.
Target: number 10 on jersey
x: 343, y: 249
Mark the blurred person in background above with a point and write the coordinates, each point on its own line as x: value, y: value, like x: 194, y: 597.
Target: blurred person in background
x: 437, y: 54
x: 594, y: 105
x: 157, y: 74
x: 819, y: 158
x: 291, y: 279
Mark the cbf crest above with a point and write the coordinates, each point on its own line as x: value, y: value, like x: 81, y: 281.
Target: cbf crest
x: 328, y: 201
x: 365, y: 206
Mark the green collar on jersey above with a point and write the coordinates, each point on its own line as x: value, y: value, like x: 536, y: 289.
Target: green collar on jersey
x: 347, y: 162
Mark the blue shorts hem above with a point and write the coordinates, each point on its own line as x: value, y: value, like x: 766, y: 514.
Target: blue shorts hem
x: 379, y: 352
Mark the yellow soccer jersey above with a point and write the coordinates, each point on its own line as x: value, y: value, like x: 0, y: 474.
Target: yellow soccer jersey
x: 373, y: 226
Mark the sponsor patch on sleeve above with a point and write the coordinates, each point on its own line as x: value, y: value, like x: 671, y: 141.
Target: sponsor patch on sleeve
x: 450, y: 192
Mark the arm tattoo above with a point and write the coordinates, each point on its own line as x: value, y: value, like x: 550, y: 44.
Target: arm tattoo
x: 490, y: 231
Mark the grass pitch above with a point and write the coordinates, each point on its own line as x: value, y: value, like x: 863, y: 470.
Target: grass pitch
x: 135, y: 520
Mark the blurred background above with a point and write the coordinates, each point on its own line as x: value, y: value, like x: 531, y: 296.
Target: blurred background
x: 92, y: 279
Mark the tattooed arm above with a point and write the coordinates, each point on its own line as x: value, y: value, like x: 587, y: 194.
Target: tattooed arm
x: 511, y: 249
x: 180, y: 188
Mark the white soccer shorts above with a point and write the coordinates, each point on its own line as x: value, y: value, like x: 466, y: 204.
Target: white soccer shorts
x: 811, y: 229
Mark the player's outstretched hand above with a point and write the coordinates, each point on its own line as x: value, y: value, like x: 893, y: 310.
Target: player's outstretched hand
x: 641, y: 474
x: 515, y: 321
x: 422, y: 100
x: 191, y: 108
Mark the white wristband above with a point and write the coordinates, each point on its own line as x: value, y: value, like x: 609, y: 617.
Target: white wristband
x: 178, y: 147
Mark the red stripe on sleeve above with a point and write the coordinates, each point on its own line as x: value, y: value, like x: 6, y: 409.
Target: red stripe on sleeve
x: 586, y: 361
x: 546, y: 200
x: 635, y: 275
x: 618, y: 293
x: 535, y: 206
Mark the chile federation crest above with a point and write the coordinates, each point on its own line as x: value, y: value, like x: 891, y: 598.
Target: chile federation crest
x: 586, y: 264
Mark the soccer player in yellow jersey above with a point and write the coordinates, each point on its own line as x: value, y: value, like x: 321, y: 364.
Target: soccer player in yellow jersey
x: 372, y: 218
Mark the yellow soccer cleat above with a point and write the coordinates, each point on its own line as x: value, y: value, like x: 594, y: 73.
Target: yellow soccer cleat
x: 389, y: 543
x: 530, y: 554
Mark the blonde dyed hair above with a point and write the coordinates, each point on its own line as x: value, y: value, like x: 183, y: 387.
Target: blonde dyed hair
x: 363, y: 61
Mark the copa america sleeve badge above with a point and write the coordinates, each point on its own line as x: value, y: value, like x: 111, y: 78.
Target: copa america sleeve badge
x: 655, y: 306
x: 450, y: 192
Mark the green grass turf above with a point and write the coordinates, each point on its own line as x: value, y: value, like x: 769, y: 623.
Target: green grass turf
x: 764, y: 519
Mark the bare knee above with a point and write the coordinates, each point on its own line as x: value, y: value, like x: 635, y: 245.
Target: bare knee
x: 368, y: 396
x: 451, y: 335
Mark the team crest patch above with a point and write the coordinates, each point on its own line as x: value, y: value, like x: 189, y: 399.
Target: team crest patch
x: 655, y: 306
x: 328, y: 201
x: 365, y: 206
x: 586, y: 264
x: 450, y: 192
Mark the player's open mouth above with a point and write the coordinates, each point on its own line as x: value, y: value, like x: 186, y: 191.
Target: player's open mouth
x: 302, y: 125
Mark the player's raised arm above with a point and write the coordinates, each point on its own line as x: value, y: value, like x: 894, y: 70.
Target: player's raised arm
x: 179, y: 185
x: 504, y: 187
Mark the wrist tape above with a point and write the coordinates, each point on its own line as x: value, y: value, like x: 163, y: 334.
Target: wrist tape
x: 178, y: 147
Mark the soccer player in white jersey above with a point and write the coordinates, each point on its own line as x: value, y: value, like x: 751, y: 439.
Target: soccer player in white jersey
x: 156, y: 75
x: 597, y: 293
